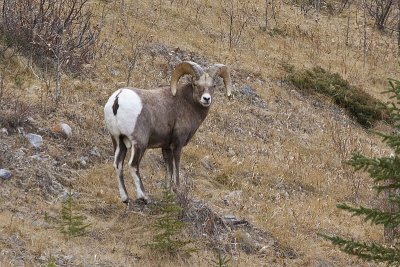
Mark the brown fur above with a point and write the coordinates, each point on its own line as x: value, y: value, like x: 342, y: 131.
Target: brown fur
x: 168, y: 120
x: 182, y: 117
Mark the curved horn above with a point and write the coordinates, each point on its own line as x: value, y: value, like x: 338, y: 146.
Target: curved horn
x: 222, y: 71
x: 186, y: 67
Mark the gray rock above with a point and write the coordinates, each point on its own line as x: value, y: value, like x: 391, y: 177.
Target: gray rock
x: 247, y: 90
x: 233, y: 220
x: 31, y: 120
x: 62, y: 129
x: 36, y: 157
x: 230, y: 217
x: 35, y: 140
x: 69, y: 258
x: 114, y: 72
x: 231, y: 152
x: 5, y: 174
x: 66, y: 129
x: 21, y: 130
x: 4, y: 131
x: 84, y: 160
x: 95, y: 152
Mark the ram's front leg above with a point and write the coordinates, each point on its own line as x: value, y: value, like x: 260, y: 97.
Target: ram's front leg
x: 168, y: 159
x: 177, y: 159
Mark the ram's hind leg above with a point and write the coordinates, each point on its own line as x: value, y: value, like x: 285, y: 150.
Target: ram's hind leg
x: 136, y: 155
x: 119, y: 157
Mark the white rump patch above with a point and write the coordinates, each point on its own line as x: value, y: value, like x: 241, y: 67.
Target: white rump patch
x: 129, y: 108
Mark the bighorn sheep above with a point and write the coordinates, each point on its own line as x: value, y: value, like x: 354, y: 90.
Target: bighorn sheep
x: 165, y: 117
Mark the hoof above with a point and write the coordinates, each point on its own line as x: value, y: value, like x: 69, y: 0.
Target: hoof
x: 175, y: 189
x: 141, y: 201
x: 126, y: 201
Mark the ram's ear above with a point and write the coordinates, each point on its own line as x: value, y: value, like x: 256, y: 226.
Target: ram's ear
x: 186, y: 67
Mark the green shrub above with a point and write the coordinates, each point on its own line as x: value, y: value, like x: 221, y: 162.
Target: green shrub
x: 168, y: 227
x: 363, y: 107
x: 385, y: 173
x: 222, y: 260
x: 71, y: 223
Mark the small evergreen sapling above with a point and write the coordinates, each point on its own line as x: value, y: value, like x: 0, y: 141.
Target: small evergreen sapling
x: 222, y: 260
x: 168, y: 226
x: 385, y: 172
x: 71, y: 223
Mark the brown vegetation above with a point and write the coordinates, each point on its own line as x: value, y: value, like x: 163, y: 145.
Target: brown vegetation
x: 272, y: 157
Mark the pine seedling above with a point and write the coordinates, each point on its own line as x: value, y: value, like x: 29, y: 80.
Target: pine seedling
x: 168, y: 227
x: 222, y: 260
x: 71, y: 223
x: 385, y: 173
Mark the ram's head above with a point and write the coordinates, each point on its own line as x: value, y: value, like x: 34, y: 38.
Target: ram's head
x: 203, y: 81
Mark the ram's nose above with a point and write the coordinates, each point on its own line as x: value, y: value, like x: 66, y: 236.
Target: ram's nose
x: 207, y: 99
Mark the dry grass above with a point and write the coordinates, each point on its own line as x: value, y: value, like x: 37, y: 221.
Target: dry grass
x: 272, y: 156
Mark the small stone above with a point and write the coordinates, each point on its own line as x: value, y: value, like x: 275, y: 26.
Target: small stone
x: 114, y: 72
x: 229, y: 219
x: 36, y: 157
x: 265, y: 249
x: 31, y: 120
x: 231, y: 152
x: 43, y: 258
x: 5, y: 174
x: 84, y: 160
x: 4, y: 131
x: 69, y: 258
x: 66, y: 129
x: 35, y: 140
x: 95, y: 152
x: 63, y: 129
x: 21, y: 130
x: 233, y: 220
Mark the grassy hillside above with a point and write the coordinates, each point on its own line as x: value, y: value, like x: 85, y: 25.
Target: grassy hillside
x: 272, y: 157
